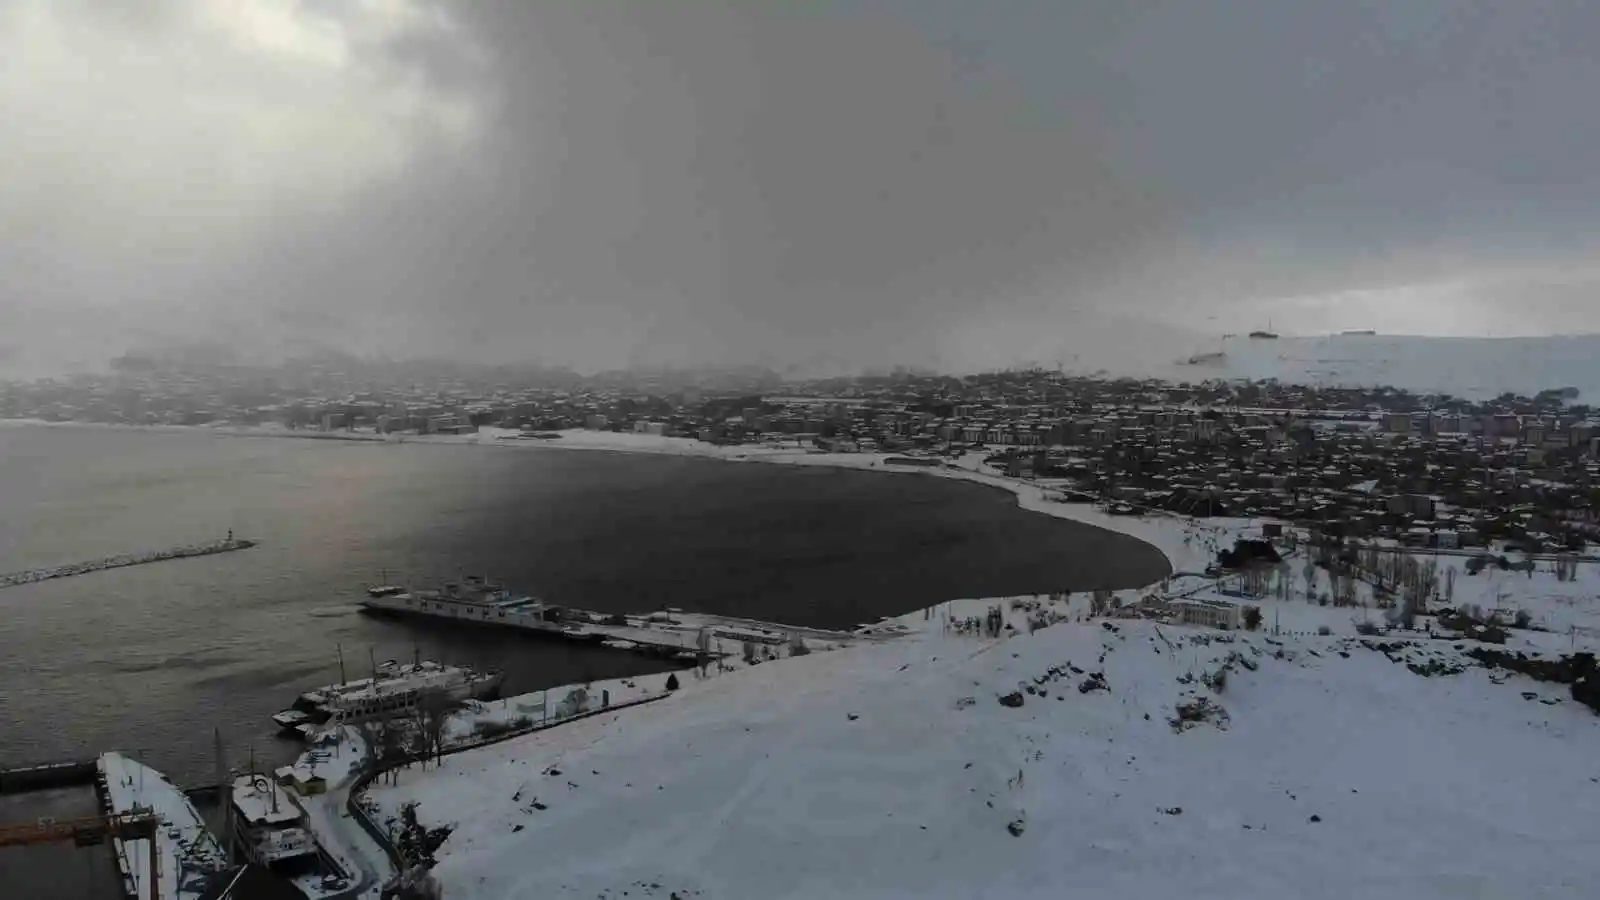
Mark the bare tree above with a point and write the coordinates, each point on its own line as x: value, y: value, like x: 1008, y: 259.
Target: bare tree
x: 1428, y: 582
x: 1347, y: 590
x: 434, y: 708
x: 1310, y: 573
x: 1254, y: 581
x: 1566, y: 568
x: 386, y: 742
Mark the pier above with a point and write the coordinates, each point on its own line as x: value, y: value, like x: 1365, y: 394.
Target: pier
x: 47, y: 777
x: 669, y: 634
x: 174, y: 862
x: 32, y: 576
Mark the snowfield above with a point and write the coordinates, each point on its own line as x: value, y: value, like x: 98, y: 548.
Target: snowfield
x: 894, y: 770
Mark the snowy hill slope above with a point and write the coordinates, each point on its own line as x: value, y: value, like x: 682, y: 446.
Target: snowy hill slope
x: 870, y: 773
x: 1474, y: 368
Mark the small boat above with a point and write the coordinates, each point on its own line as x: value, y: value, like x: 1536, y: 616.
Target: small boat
x: 272, y: 830
x: 385, y: 590
x: 290, y: 720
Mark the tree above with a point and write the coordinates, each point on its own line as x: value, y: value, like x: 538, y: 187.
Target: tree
x: 1252, y: 617
x: 386, y: 743
x: 417, y: 843
x: 1346, y: 590
x: 672, y: 681
x: 434, y: 708
x: 1310, y: 573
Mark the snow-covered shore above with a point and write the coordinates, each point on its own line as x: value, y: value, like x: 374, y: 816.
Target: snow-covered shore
x: 893, y: 769
x: 1179, y: 539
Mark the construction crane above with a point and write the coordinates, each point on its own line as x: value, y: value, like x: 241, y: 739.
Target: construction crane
x: 91, y: 832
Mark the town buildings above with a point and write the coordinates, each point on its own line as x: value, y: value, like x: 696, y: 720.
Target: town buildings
x: 1377, y: 462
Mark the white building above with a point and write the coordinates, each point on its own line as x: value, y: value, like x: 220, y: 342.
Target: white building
x: 1208, y: 613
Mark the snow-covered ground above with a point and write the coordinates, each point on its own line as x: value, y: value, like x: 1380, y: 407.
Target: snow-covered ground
x: 893, y: 769
x: 339, y: 760
x: 1563, y: 614
x: 188, y: 851
x: 477, y: 718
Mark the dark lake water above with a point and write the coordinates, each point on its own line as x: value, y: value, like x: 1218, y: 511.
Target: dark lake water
x: 150, y: 659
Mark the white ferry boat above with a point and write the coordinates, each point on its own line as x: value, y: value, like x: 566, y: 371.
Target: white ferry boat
x: 393, y: 688
x: 272, y: 830
x: 400, y: 696
x: 479, y: 602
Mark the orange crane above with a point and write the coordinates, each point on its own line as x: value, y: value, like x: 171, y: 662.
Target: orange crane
x: 89, y: 832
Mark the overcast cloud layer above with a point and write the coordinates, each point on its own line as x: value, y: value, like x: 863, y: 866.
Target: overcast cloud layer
x: 930, y: 182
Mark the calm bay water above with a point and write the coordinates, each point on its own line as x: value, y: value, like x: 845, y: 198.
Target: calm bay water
x: 150, y: 659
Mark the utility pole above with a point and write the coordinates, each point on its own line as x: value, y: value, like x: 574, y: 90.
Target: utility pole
x: 224, y: 800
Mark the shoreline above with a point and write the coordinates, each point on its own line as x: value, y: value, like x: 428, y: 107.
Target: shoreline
x: 1156, y: 530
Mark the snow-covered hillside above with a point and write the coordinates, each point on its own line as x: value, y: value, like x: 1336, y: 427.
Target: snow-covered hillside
x: 894, y: 770
x: 1473, y: 368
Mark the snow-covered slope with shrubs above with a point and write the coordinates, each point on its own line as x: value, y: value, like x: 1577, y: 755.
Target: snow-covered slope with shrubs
x: 895, y: 770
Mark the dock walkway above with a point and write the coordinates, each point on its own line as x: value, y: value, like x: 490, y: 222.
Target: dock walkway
x: 187, y: 849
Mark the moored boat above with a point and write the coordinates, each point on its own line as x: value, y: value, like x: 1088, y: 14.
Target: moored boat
x: 392, y: 689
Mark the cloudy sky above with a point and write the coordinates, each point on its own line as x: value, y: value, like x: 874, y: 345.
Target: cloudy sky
x: 935, y: 182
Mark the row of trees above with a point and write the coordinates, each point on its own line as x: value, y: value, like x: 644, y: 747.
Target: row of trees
x: 415, y: 734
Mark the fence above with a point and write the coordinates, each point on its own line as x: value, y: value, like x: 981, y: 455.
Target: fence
x: 381, y: 835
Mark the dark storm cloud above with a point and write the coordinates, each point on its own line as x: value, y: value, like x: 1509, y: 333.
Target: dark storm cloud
x: 890, y: 181
x: 731, y: 182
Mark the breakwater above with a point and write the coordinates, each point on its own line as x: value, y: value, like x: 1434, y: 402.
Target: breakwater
x: 185, y: 551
